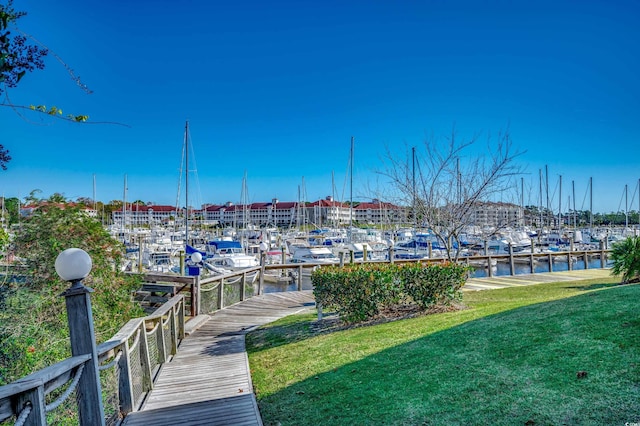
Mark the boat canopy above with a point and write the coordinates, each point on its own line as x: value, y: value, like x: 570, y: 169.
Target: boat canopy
x: 190, y: 250
x: 223, y: 244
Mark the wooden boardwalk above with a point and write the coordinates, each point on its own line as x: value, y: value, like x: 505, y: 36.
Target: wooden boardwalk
x: 208, y: 382
x: 503, y: 281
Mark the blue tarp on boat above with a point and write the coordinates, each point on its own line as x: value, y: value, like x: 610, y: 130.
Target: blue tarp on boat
x: 225, y: 244
x: 190, y: 250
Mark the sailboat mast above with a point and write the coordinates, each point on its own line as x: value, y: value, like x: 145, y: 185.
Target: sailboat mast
x: 573, y: 191
x: 540, y: 199
x: 124, y: 208
x: 546, y: 172
x: 351, y: 191
x: 186, y: 182
x: 94, y: 193
x: 590, y: 203
x: 560, y: 206
x: 626, y: 207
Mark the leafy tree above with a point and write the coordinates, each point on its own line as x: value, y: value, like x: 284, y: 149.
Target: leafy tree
x: 33, y: 198
x: 33, y: 324
x: 17, y: 57
x: 11, y: 214
x: 625, y: 255
x: 57, y: 198
x: 443, y: 186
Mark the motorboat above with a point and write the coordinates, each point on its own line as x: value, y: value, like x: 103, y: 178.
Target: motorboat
x: 314, y: 255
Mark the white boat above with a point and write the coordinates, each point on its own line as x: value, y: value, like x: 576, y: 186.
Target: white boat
x: 314, y: 255
x: 228, y: 255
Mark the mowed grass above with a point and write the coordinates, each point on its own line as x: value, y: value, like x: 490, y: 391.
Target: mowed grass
x: 547, y: 354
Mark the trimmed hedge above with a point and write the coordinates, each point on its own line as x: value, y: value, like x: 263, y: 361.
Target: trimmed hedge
x: 359, y: 291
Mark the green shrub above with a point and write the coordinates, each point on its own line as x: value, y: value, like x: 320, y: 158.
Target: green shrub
x: 359, y: 292
x: 33, y: 322
x: 433, y: 284
x: 625, y: 255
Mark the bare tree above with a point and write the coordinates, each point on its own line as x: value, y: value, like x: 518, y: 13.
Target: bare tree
x: 443, y: 186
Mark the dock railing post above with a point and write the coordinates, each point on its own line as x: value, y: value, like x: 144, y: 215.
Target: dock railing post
x: 532, y: 268
x: 195, y: 297
x: 74, y: 265
x: 263, y: 261
x: 586, y: 260
x: 602, y: 260
x: 489, y: 267
x: 570, y: 255
x: 221, y: 294
x: 512, y: 267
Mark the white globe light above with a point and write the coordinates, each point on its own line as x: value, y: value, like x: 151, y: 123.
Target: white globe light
x: 196, y: 257
x: 263, y: 246
x: 73, y: 264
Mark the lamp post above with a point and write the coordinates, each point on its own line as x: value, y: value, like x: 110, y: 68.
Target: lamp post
x: 74, y: 265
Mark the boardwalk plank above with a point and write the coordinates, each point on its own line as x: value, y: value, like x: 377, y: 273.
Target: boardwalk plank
x: 208, y: 382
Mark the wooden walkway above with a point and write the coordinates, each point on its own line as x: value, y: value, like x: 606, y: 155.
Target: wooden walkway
x: 503, y: 281
x: 208, y: 382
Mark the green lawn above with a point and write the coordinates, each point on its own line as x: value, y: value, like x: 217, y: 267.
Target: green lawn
x: 513, y: 358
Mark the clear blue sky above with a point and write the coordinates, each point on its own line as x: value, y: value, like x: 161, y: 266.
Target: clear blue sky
x: 276, y: 89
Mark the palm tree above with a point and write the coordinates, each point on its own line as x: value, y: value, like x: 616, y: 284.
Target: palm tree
x: 626, y: 259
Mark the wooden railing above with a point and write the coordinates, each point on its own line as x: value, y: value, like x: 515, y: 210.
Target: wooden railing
x: 131, y: 359
x: 128, y: 363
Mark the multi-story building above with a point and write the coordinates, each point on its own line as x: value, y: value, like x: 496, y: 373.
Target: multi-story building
x: 326, y: 212
x: 136, y: 214
x: 497, y: 215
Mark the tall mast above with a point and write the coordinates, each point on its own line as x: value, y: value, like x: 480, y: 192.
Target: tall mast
x: 546, y: 172
x: 540, y: 199
x: 333, y: 198
x: 413, y: 186
x: 351, y: 191
x: 94, y: 192
x: 573, y: 190
x: 124, y: 207
x: 186, y: 182
x: 560, y: 206
x: 626, y: 207
x: 590, y: 203
x: 522, y: 199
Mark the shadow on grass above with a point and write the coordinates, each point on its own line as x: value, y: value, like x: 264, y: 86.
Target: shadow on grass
x: 595, y: 286
x: 568, y: 361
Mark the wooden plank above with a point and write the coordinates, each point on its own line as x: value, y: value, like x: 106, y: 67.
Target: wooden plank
x: 208, y: 381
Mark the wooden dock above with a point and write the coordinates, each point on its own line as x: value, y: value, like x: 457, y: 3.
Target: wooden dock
x: 502, y: 281
x: 208, y: 382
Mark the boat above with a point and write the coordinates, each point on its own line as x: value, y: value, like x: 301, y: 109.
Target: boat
x: 229, y: 255
x: 314, y: 255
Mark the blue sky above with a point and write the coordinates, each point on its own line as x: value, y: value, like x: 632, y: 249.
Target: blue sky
x: 276, y: 90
